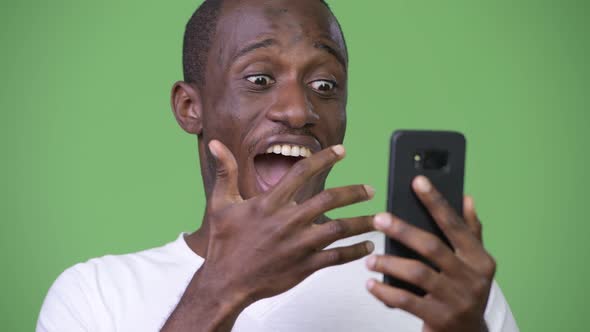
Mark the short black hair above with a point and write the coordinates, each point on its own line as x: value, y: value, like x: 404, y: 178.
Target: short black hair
x: 198, y: 35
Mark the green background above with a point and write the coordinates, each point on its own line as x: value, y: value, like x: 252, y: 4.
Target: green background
x: 94, y: 163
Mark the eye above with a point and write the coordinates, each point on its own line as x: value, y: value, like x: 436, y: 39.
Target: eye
x: 262, y: 80
x: 323, y: 85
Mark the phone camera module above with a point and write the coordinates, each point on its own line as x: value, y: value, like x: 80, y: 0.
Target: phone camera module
x: 436, y: 160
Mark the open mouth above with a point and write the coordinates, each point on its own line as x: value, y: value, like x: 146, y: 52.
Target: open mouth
x: 272, y: 165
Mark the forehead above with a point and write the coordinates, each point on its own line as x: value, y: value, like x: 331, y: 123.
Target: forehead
x: 289, y: 21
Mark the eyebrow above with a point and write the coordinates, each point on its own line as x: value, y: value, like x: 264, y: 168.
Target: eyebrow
x: 250, y: 48
x: 336, y: 53
x: 270, y: 42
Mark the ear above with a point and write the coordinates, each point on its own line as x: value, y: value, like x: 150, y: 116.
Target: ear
x: 187, y: 107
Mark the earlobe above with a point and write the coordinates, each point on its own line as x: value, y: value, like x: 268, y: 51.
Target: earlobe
x: 187, y: 107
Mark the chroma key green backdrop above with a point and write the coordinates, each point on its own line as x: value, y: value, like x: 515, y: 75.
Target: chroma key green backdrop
x: 94, y: 163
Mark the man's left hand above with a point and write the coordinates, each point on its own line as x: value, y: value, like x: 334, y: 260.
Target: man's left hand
x: 457, y: 295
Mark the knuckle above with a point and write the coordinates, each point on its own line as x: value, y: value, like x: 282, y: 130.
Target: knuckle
x: 452, y: 221
x: 481, y: 285
x: 360, y: 193
x: 300, y: 168
x: 261, y: 205
x: 333, y: 257
x: 219, y: 229
x: 402, y: 300
x: 224, y: 170
x: 432, y: 247
x: 437, y: 198
x: 418, y: 273
x: 362, y: 249
x: 325, y: 197
x: 398, y: 228
x: 455, y: 221
x: 221, y: 172
x: 337, y: 228
x: 378, y: 263
x: 489, y: 267
x: 368, y: 222
x: 253, y: 209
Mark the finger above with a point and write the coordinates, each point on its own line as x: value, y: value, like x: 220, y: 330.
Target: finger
x: 322, y: 235
x: 225, y: 189
x: 444, y: 215
x: 471, y: 218
x: 482, y: 262
x: 303, y: 170
x: 421, y: 307
x: 408, y: 270
x: 338, y: 256
x: 424, y: 243
x: 415, y: 273
x: 333, y: 198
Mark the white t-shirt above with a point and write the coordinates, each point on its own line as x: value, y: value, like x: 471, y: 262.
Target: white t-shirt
x: 138, y: 292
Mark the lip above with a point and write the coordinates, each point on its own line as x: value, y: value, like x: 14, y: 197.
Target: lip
x: 309, y: 142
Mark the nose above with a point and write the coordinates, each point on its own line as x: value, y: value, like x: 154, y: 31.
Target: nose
x: 292, y: 107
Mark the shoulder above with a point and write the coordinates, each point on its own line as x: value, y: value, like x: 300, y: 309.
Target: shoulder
x: 117, y: 269
x: 175, y: 253
x: 68, y: 304
x: 84, y: 295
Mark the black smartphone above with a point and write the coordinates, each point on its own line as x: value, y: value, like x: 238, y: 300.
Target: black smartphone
x: 438, y: 155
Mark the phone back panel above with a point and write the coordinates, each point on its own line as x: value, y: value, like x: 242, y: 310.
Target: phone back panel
x: 409, y: 150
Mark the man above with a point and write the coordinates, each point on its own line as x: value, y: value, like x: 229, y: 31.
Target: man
x: 265, y: 93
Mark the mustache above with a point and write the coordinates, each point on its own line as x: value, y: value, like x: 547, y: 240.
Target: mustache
x: 305, y: 131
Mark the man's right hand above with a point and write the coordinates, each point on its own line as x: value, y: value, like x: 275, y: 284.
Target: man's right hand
x: 265, y: 245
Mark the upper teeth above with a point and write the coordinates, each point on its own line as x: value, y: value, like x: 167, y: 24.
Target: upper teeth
x: 289, y: 150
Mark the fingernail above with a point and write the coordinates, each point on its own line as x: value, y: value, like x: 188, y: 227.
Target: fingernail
x: 370, y: 246
x: 339, y: 150
x: 382, y: 221
x: 422, y: 184
x: 371, y: 262
x: 471, y: 202
x: 370, y: 284
x: 212, y: 148
x: 370, y: 191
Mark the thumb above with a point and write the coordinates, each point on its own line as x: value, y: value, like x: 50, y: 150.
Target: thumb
x: 225, y: 189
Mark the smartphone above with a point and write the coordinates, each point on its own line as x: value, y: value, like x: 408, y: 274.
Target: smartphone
x: 438, y: 155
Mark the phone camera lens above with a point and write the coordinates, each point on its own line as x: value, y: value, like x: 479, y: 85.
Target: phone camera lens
x: 431, y: 160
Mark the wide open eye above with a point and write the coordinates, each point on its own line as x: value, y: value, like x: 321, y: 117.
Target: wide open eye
x: 323, y: 86
x: 261, y: 80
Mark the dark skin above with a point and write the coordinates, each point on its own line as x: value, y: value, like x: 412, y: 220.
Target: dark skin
x: 457, y: 295
x: 277, y: 73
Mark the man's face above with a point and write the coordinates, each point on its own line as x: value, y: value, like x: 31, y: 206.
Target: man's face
x: 276, y: 79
